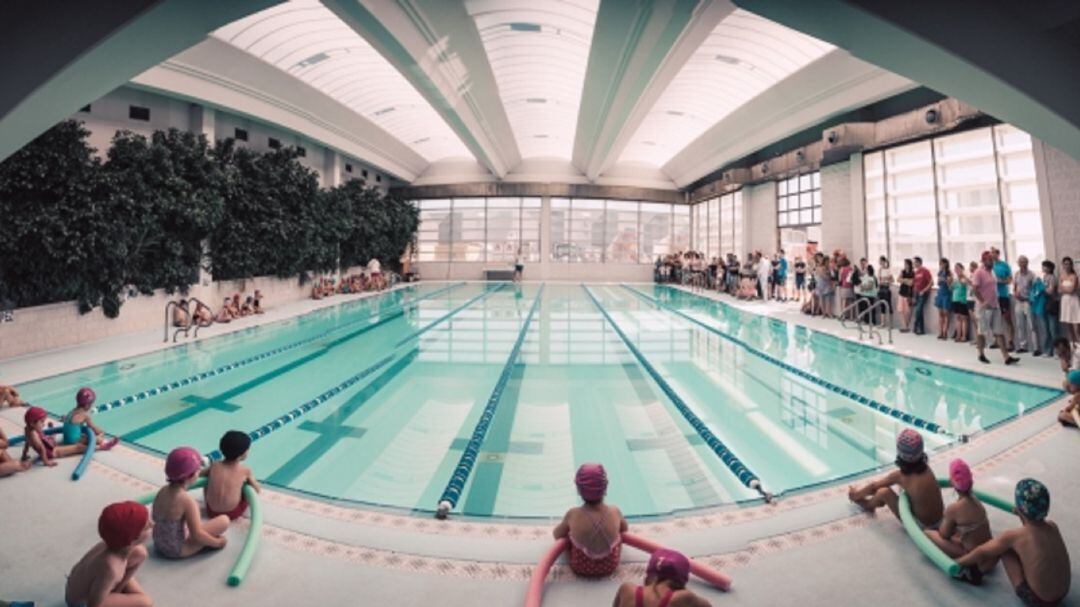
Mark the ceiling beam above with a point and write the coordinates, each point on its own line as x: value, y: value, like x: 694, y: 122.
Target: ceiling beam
x: 991, y: 54
x: 831, y: 85
x: 435, y: 45
x: 59, y: 56
x: 217, y: 74
x: 638, y: 47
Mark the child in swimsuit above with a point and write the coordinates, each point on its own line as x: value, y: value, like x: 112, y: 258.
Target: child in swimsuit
x: 594, y: 529
x: 80, y: 416
x: 224, y: 488
x: 1034, y: 555
x: 9, y: 397
x: 1068, y: 415
x: 106, y: 574
x: 916, y: 479
x: 179, y: 530
x: 965, y: 526
x: 665, y: 584
x: 8, y: 465
x: 46, y: 448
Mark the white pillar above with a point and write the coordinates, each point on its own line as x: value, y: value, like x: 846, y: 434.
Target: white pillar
x: 332, y: 168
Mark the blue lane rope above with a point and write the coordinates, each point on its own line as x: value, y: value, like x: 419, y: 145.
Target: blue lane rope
x: 453, y: 490
x: 193, y: 379
x: 295, y: 414
x: 902, y: 416
x: 726, y: 455
x: 91, y: 446
x: 18, y: 440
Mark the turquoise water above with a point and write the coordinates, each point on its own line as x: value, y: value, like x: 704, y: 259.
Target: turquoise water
x: 683, y: 399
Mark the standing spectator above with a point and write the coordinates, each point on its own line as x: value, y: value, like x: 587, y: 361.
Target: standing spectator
x: 943, y: 299
x: 764, y: 269
x: 847, y: 288
x: 885, y: 280
x: 988, y: 307
x: 973, y: 329
x: 866, y: 290
x: 1069, y: 289
x: 921, y: 284
x: 959, y: 303
x: 656, y: 268
x: 1022, y: 321
x: 826, y: 288
x: 781, y: 277
x: 1003, y: 274
x: 1045, y: 307
x: 907, y: 292
x: 800, y: 278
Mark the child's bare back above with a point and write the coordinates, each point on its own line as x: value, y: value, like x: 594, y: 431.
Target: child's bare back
x: 225, y: 485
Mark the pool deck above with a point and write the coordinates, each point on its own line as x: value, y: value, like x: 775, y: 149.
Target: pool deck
x: 336, y: 554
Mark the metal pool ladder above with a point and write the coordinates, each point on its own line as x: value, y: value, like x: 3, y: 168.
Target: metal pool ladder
x: 863, y: 320
x: 191, y: 323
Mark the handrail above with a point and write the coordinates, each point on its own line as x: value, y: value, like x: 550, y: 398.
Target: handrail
x: 168, y: 322
x: 199, y: 302
x: 871, y: 328
x: 844, y: 313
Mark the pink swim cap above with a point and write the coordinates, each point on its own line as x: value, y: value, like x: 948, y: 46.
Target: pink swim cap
x: 591, y: 481
x: 85, y: 397
x: 669, y: 565
x: 33, y: 415
x: 960, y: 475
x: 182, y: 463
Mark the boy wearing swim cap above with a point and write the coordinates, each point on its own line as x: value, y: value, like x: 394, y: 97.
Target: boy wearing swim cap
x: 224, y: 493
x: 965, y: 525
x: 1069, y: 415
x: 916, y: 479
x: 106, y: 574
x: 179, y: 531
x: 1034, y: 555
x: 665, y: 584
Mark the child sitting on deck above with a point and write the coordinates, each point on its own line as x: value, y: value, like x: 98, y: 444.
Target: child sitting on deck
x: 8, y: 465
x: 179, y: 530
x: 223, y: 314
x: 965, y: 526
x: 594, y: 529
x: 224, y: 493
x: 913, y: 476
x: 1068, y: 415
x: 106, y: 574
x: 1034, y: 555
x: 43, y: 445
x: 80, y: 415
x: 9, y: 397
x: 665, y: 584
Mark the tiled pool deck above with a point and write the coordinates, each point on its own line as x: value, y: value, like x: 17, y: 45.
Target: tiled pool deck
x: 318, y: 552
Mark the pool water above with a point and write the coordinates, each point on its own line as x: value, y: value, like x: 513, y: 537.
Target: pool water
x: 494, y: 394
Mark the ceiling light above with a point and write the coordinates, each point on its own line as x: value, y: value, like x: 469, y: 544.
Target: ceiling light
x: 674, y: 113
x: 535, y: 100
x: 525, y: 27
x: 729, y: 59
x: 385, y: 110
x: 312, y: 60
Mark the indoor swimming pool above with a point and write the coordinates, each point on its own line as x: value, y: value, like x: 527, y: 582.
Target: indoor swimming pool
x: 490, y: 395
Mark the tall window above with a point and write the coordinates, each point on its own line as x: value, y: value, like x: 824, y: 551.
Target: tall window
x: 621, y: 232
x: 718, y: 224
x: 478, y: 229
x: 954, y: 196
x: 798, y: 206
x: 680, y: 227
x: 587, y: 230
x: 655, y: 231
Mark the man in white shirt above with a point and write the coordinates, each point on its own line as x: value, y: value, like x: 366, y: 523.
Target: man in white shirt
x: 764, y: 269
x: 374, y: 269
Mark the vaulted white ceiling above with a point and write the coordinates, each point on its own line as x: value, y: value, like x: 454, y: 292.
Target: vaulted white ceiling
x: 607, y: 91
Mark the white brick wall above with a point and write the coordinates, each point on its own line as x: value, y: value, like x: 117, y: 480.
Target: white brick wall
x: 1058, y: 176
x: 760, y: 226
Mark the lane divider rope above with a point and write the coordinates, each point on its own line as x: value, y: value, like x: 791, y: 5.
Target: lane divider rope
x: 726, y: 455
x: 196, y: 378
x: 452, y: 493
x: 870, y: 403
x: 298, y: 412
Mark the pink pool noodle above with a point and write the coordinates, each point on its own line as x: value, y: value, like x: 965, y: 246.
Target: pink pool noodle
x: 535, y: 593
x: 706, y: 574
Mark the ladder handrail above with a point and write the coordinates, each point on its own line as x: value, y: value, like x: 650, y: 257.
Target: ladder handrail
x: 198, y: 326
x: 844, y: 312
x: 168, y: 321
x: 871, y: 328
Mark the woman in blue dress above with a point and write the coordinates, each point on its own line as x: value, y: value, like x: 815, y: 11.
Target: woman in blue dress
x: 943, y: 299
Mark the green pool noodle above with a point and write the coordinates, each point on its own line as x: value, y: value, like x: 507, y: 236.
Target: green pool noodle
x: 149, y: 497
x: 929, y: 548
x: 251, y: 545
x: 986, y: 498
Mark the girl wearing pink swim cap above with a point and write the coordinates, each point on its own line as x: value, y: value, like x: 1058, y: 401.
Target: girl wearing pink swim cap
x: 965, y: 525
x: 665, y: 584
x: 80, y: 416
x: 179, y: 530
x: 594, y: 529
